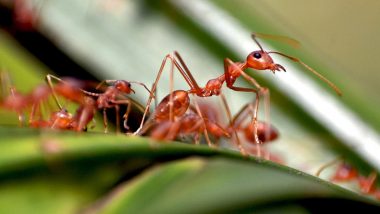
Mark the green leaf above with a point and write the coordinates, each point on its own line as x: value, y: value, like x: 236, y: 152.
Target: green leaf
x: 215, y: 185
x: 70, y: 172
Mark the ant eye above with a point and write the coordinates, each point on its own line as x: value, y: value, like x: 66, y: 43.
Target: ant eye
x: 257, y: 55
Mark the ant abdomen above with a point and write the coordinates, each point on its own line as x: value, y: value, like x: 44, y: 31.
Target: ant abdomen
x: 265, y: 132
x: 181, y: 102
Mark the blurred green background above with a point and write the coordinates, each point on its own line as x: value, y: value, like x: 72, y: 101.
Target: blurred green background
x: 118, y: 39
x: 124, y: 39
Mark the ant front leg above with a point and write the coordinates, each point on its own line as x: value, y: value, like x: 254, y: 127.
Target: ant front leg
x: 232, y: 71
x: 128, y: 103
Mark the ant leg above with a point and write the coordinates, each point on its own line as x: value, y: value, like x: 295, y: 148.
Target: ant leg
x: 125, y: 116
x: 93, y: 125
x: 105, y: 122
x: 128, y: 103
x: 327, y: 165
x: 143, y: 85
x: 253, y: 110
x: 205, y: 130
x: 152, y: 91
x: 32, y: 113
x: 228, y: 111
x: 84, y: 120
x: 197, y: 134
x: 101, y: 83
x: 20, y: 113
x: 171, y: 89
x: 196, y: 138
x: 237, y: 123
x: 35, y: 110
x: 155, y: 100
x: 147, y: 125
x: 173, y: 131
x: 185, y: 74
x: 259, y: 91
x: 117, y: 110
x: 238, y: 119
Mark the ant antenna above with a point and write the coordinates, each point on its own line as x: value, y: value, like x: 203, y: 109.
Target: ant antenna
x: 112, y: 81
x: 292, y: 42
x: 334, y: 87
x: 253, y: 35
x: 143, y: 85
x: 48, y: 78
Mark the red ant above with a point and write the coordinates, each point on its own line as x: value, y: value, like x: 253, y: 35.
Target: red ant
x: 71, y: 89
x: 259, y: 60
x: 186, y: 119
x: 16, y: 102
x: 19, y: 103
x: 262, y: 132
x: 346, y: 172
x: 213, y: 120
x: 110, y: 98
x: 174, y: 105
x: 254, y: 131
x: 25, y: 15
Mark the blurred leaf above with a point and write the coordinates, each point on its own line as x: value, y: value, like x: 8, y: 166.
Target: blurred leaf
x: 217, y: 185
x: 67, y: 172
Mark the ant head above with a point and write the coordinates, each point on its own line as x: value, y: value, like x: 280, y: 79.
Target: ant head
x: 61, y: 119
x: 260, y: 60
x: 123, y: 86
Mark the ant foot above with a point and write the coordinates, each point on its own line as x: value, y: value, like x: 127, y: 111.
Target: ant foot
x: 137, y: 132
x: 264, y: 91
